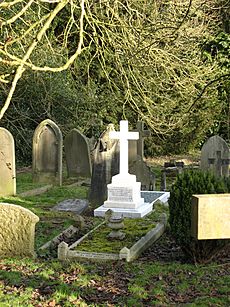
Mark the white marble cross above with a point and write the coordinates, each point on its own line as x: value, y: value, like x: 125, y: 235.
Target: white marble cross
x: 124, y: 135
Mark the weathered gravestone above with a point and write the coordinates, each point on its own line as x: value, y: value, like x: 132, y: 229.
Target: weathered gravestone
x: 17, y: 228
x: 137, y: 165
x: 105, y: 165
x: 47, y: 153
x: 136, y: 147
x: 210, y: 216
x: 7, y: 163
x: 143, y: 174
x: 77, y: 153
x: 215, y: 156
x: 140, y: 142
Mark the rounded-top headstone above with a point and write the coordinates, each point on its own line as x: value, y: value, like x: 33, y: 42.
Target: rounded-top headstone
x: 7, y: 163
x: 215, y: 156
x: 47, y: 153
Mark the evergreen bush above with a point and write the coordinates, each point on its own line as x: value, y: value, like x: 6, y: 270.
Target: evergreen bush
x: 187, y: 184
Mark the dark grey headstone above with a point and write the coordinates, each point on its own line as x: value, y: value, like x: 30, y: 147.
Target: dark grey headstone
x: 7, y: 164
x: 140, y: 142
x: 77, y: 155
x: 105, y: 165
x: 215, y: 156
x: 47, y: 153
x: 143, y: 174
x: 136, y: 147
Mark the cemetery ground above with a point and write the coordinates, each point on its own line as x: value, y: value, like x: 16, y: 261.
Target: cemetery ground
x: 161, y: 276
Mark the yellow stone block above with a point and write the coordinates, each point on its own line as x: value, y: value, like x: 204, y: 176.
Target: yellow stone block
x: 210, y: 216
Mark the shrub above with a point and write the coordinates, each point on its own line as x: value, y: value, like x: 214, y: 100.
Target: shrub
x: 188, y: 183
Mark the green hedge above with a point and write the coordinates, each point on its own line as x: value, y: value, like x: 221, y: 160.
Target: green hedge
x: 188, y: 183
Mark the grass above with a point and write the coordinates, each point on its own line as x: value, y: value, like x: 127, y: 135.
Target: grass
x: 26, y: 183
x: 47, y: 282
x: 48, y: 227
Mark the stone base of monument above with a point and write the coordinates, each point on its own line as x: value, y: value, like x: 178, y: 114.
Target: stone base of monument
x: 149, y: 198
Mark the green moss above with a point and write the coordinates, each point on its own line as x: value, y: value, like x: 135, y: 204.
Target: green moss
x: 134, y: 229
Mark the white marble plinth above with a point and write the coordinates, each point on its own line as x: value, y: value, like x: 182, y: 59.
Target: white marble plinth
x: 124, y: 192
x: 150, y: 197
x: 130, y: 213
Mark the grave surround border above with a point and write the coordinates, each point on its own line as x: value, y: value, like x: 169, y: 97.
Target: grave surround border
x: 66, y: 252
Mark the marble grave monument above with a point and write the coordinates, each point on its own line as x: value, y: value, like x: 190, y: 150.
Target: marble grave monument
x: 124, y: 193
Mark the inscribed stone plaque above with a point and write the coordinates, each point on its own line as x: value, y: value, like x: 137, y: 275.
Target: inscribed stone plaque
x: 211, y: 216
x: 47, y: 153
x: 17, y: 228
x: 77, y: 155
x: 105, y: 165
x: 121, y: 194
x: 7, y: 163
x: 215, y: 156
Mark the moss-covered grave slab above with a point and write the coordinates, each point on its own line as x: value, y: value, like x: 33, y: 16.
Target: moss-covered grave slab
x: 95, y: 245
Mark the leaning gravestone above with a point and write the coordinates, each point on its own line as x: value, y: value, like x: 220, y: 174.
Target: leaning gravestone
x: 77, y: 153
x: 215, y: 156
x: 47, y: 153
x: 17, y: 228
x: 7, y: 163
x: 105, y: 165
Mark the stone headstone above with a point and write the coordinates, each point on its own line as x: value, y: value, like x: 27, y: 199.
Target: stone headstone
x: 215, y: 156
x: 17, y: 228
x: 7, y: 164
x: 105, y: 165
x: 142, y: 134
x: 210, y: 216
x: 136, y: 147
x: 47, y: 153
x: 77, y: 154
x: 143, y: 174
x: 132, y: 151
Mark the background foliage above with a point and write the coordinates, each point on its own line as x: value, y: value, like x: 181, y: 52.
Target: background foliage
x: 164, y: 62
